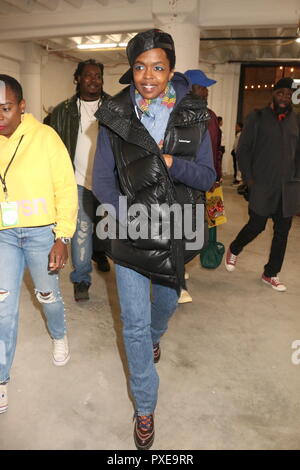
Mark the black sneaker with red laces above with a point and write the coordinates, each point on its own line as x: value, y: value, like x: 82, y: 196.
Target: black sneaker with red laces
x: 144, y: 432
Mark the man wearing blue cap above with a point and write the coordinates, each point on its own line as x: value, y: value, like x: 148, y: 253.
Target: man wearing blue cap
x: 200, y: 83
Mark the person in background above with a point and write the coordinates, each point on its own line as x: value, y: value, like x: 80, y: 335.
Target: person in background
x: 38, y: 205
x: 148, y: 156
x: 200, y: 83
x: 222, y: 146
x: 268, y: 156
x: 238, y: 131
x: 74, y: 121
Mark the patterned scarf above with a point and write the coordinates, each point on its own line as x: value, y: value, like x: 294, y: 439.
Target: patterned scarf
x: 156, y: 112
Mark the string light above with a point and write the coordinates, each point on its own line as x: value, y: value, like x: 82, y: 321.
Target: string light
x: 292, y: 69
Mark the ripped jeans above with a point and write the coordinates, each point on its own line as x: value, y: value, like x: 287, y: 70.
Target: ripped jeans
x: 20, y: 248
x: 82, y: 241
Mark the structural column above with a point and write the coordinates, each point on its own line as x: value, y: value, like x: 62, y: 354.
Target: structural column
x: 180, y: 19
x: 187, y: 42
x: 30, y: 73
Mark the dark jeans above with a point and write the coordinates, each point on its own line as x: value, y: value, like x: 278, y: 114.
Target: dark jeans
x: 256, y: 225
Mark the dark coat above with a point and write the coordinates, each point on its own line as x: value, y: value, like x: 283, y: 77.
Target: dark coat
x: 268, y: 155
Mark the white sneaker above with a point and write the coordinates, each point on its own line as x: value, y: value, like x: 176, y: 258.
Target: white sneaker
x: 3, y: 398
x: 61, y: 353
x: 184, y: 297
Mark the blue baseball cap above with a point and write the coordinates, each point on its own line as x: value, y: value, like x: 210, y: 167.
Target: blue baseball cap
x: 197, y: 77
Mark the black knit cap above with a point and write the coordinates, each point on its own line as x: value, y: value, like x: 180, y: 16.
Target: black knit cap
x: 286, y: 82
x: 142, y: 42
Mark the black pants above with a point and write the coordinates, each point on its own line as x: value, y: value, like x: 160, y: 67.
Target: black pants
x: 256, y: 225
x: 234, y: 162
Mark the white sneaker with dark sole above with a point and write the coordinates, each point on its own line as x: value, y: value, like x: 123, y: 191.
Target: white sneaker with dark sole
x: 61, y: 354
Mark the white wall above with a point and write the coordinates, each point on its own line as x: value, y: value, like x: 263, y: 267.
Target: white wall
x: 10, y: 67
x: 56, y: 80
x: 223, y: 100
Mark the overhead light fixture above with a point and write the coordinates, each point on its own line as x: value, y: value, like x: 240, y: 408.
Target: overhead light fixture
x: 101, y: 46
x: 97, y: 46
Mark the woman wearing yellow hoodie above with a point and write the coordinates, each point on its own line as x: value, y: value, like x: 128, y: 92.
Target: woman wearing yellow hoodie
x: 38, y: 209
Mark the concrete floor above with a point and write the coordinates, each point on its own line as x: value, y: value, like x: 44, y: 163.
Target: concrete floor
x: 227, y: 378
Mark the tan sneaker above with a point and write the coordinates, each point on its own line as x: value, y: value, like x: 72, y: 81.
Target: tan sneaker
x: 61, y: 353
x: 184, y: 297
x: 3, y: 398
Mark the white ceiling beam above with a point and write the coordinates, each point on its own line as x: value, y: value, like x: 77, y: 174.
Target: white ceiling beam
x: 256, y: 13
x: 75, y: 3
x: 87, y: 21
x: 20, y: 4
x: 50, y: 4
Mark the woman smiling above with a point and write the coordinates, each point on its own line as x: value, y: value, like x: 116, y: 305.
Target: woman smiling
x: 154, y: 150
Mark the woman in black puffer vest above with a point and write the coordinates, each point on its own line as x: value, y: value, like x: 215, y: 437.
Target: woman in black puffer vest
x: 154, y: 151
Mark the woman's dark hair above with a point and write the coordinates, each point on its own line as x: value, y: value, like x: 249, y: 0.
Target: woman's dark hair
x: 240, y: 124
x: 80, y: 68
x: 13, y: 84
x: 171, y: 57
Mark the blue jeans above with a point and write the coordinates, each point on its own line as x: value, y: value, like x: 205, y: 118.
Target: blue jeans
x: 20, y: 247
x: 82, y: 241
x: 145, y: 312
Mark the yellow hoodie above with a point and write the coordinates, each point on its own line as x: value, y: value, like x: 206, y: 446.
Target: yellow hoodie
x: 40, y: 179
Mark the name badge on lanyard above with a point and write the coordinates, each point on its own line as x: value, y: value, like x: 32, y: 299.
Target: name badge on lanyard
x: 9, y: 214
x: 9, y: 209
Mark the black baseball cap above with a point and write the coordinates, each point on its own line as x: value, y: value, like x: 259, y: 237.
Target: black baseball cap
x: 286, y: 82
x: 142, y: 42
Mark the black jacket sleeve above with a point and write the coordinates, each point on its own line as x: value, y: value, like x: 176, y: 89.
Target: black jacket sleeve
x: 246, y: 146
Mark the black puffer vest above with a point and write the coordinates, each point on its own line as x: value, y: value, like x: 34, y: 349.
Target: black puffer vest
x: 144, y: 179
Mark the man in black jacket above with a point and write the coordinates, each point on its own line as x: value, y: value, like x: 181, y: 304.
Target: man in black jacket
x: 74, y: 121
x: 269, y: 159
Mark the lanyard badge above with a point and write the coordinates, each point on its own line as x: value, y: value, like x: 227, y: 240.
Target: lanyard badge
x: 9, y: 210
x: 9, y: 214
